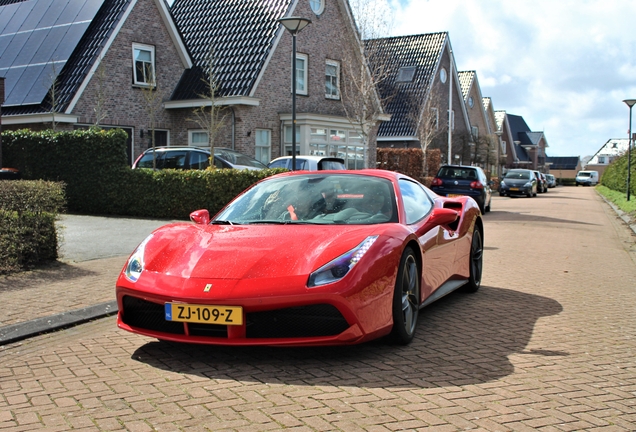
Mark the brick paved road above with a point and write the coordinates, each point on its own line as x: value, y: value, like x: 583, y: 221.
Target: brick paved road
x: 548, y: 343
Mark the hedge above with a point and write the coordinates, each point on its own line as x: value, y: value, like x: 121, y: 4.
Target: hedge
x: 410, y: 162
x: 93, y: 165
x: 615, y: 175
x: 28, y: 210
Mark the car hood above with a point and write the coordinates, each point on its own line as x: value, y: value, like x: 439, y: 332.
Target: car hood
x: 248, y: 251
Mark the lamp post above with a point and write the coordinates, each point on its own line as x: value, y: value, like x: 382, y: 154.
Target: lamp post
x: 630, y: 103
x: 294, y: 25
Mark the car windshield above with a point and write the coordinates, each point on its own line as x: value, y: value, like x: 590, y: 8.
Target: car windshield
x: 315, y: 199
x: 521, y: 175
x: 236, y: 158
x: 584, y: 174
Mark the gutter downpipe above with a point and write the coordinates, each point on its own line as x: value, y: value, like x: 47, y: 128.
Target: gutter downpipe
x: 450, y: 106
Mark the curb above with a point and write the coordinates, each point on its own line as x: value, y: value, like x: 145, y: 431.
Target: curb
x: 23, y: 330
x: 631, y: 224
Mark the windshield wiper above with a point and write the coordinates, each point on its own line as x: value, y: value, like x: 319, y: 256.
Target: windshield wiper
x: 222, y: 222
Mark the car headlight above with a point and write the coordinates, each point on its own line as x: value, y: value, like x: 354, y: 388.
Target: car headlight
x: 135, y: 264
x: 529, y: 184
x: 338, y: 268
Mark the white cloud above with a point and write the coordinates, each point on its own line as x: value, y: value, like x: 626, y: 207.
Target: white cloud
x: 565, y: 66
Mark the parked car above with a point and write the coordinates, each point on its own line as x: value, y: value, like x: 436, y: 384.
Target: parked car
x: 551, y: 180
x: 305, y: 276
x: 542, y: 182
x: 309, y: 163
x: 185, y: 157
x: 587, y: 178
x: 519, y: 182
x: 458, y: 180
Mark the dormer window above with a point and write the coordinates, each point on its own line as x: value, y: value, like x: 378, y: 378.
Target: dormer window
x: 406, y: 74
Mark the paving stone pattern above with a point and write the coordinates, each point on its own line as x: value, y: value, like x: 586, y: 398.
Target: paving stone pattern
x: 548, y: 343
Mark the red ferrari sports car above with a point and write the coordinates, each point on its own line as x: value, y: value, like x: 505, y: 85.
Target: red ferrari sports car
x: 304, y: 258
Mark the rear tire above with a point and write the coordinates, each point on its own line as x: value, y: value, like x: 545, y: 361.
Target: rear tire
x: 406, y: 299
x: 476, y: 262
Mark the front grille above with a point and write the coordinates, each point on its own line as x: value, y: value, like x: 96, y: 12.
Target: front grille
x: 207, y: 330
x: 149, y: 316
x: 304, y: 321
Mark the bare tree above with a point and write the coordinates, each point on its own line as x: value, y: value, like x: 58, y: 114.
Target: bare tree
x: 210, y: 116
x: 426, y: 121
x: 364, y: 69
x: 153, y: 105
x: 53, y: 95
x: 100, y: 105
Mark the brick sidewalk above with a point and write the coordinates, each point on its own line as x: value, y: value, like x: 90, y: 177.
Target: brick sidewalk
x: 61, y: 287
x: 548, y: 343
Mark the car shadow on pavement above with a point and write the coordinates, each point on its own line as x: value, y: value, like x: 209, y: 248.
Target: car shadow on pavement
x: 461, y: 339
x: 501, y: 216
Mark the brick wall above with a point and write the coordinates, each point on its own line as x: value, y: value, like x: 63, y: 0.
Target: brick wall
x: 124, y: 103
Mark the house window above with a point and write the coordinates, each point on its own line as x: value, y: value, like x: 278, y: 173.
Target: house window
x: 475, y: 131
x: 471, y: 102
x: 144, y: 61
x: 434, y: 121
x: 318, y: 6
x: 288, y: 140
x: 263, y: 145
x: 442, y: 75
x: 406, y: 74
x: 601, y: 159
x: 198, y: 138
x: 332, y: 72
x: 302, y: 60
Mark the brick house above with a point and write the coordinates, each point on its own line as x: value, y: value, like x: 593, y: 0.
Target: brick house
x: 500, y: 149
x: 137, y: 64
x: 485, y: 152
x: 524, y: 148
x: 421, y: 79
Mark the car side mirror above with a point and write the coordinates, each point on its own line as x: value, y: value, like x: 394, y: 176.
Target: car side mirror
x: 200, y: 217
x: 439, y: 216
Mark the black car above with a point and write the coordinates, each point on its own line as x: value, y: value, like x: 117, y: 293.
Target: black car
x: 185, y: 157
x: 519, y: 182
x: 542, y: 181
x: 454, y: 180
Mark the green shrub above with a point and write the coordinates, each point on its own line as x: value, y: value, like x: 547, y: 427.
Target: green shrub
x: 92, y: 163
x: 28, y: 210
x: 615, y: 175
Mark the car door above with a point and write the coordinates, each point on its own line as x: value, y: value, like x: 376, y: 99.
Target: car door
x: 437, y: 244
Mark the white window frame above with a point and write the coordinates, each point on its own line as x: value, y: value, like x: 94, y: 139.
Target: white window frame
x: 336, y: 78
x: 149, y: 48
x: 305, y: 74
x: 191, y: 133
x: 320, y: 6
x: 265, y: 149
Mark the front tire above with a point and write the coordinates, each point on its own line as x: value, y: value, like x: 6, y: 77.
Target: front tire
x: 476, y: 262
x: 406, y: 299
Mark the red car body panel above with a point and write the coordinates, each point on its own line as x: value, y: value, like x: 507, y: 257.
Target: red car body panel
x: 264, y: 267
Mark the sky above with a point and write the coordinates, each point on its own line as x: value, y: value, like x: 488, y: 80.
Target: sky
x: 565, y: 66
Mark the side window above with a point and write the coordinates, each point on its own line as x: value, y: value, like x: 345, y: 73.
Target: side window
x: 198, y: 138
x: 146, y: 160
x: 263, y: 145
x: 332, y: 73
x: 199, y: 160
x: 417, y: 204
x: 301, y: 73
x: 175, y: 159
x: 282, y: 163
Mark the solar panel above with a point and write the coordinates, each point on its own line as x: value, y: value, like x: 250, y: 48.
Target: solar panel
x: 34, y: 35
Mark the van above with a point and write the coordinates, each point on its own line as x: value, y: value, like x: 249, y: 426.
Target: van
x: 587, y: 178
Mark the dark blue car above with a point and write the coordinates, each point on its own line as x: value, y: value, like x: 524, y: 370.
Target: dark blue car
x: 454, y: 180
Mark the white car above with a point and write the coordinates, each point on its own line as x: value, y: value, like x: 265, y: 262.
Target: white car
x: 309, y: 163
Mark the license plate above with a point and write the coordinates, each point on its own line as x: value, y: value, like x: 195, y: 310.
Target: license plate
x: 206, y: 314
x: 516, y: 189
x: 453, y: 195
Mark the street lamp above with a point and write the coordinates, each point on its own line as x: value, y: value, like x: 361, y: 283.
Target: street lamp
x: 294, y: 25
x: 630, y: 103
